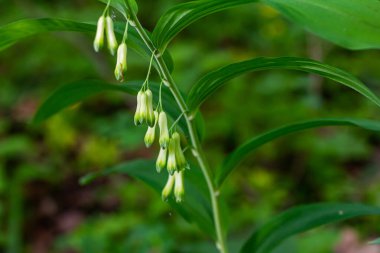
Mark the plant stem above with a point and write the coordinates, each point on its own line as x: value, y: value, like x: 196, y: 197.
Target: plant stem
x: 196, y: 147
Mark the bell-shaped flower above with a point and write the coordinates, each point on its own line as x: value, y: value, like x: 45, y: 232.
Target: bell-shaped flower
x: 164, y: 131
x: 172, y: 163
x: 138, y: 116
x: 99, y: 37
x: 150, y: 117
x: 180, y: 157
x: 161, y: 159
x: 150, y: 133
x: 111, y: 38
x: 143, y: 108
x: 168, y: 188
x: 179, y: 189
x: 121, y: 63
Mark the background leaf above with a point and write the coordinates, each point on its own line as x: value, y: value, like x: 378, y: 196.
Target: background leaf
x: 205, y: 87
x: 196, y: 205
x: 76, y: 92
x: 351, y: 24
x: 238, y: 155
x: 301, y: 219
x: 182, y: 15
x: 355, y: 23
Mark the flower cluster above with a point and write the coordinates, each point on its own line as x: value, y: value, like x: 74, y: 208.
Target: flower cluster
x: 171, y: 155
x: 106, y: 26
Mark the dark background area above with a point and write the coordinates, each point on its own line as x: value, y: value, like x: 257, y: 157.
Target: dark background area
x: 44, y: 209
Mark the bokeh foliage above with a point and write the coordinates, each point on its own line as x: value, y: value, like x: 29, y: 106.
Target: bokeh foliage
x: 44, y: 209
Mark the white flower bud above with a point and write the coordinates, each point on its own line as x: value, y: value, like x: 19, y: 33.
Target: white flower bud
x: 172, y: 163
x: 121, y: 63
x: 161, y: 159
x: 137, y: 117
x: 111, y: 38
x: 180, y: 157
x: 164, y: 131
x: 143, y: 108
x: 168, y: 188
x: 150, y: 134
x: 179, y: 189
x: 150, y: 118
x: 99, y: 37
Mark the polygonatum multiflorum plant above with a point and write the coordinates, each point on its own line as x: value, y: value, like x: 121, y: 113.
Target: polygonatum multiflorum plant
x: 172, y: 118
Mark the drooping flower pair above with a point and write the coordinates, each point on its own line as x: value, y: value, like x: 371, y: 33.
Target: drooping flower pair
x: 175, y: 180
x: 144, y: 109
x: 176, y: 165
x: 105, y: 25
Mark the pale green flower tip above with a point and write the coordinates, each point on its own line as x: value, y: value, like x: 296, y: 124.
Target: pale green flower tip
x: 149, y: 136
x: 164, y: 131
x: 143, y: 108
x: 172, y: 163
x: 176, y: 136
x: 111, y: 38
x: 137, y: 117
x: 179, y: 189
x: 99, y: 37
x: 150, y: 118
x: 164, y: 142
x: 161, y: 160
x: 168, y: 188
x: 119, y: 73
x: 171, y: 170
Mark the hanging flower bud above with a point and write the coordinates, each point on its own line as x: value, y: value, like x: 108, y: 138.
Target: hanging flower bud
x: 150, y: 134
x: 180, y: 157
x: 99, y: 37
x: 150, y: 118
x: 164, y: 132
x: 168, y: 188
x: 161, y: 159
x: 179, y: 189
x: 121, y: 63
x: 172, y: 164
x: 111, y: 38
x: 143, y: 108
x: 137, y: 117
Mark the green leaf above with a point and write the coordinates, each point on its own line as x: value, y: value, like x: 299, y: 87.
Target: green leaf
x: 355, y: 23
x: 182, y: 15
x: 196, y: 205
x: 351, y: 24
x: 13, y: 32
x: 16, y: 31
x: 214, y: 80
x: 76, y: 92
x: 238, y: 155
x: 300, y: 219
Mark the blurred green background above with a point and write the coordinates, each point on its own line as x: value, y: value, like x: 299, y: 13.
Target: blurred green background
x: 44, y: 209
